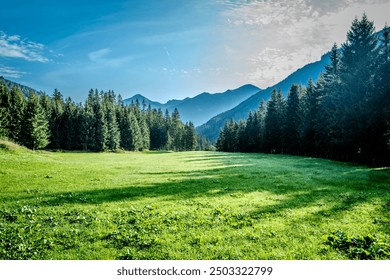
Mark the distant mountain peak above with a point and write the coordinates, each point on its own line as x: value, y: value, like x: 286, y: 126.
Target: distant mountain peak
x: 211, y: 128
x: 204, y: 106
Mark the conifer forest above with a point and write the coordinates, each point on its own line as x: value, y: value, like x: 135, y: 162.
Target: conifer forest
x: 344, y: 115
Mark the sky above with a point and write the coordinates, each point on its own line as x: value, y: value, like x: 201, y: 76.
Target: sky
x: 169, y: 49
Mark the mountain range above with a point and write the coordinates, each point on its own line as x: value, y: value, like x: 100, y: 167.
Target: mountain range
x: 209, y: 112
x: 202, y: 107
x: 301, y: 77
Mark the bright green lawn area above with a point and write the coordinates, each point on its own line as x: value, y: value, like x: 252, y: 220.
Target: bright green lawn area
x: 190, y: 205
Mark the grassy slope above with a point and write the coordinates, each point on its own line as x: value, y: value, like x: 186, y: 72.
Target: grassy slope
x: 192, y: 205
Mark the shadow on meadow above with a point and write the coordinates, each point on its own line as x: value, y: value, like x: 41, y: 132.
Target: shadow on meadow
x: 322, y: 190
x: 302, y: 182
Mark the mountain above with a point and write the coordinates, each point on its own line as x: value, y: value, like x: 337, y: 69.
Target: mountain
x: 212, y: 127
x: 25, y: 90
x: 142, y: 99
x: 202, y: 107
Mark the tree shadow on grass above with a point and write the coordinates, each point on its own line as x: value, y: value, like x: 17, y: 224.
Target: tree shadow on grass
x: 226, y: 182
x: 232, y: 178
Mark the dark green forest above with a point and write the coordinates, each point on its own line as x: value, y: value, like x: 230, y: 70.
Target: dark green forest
x: 344, y: 115
x: 102, y: 123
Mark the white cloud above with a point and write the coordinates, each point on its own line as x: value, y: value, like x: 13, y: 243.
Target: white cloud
x: 281, y: 36
x: 102, y: 58
x: 9, y: 72
x: 98, y: 55
x: 15, y: 47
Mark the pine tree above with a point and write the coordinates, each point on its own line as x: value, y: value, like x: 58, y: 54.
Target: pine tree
x: 247, y: 139
x: 55, y: 121
x: 166, y: 131
x: 35, y: 124
x: 5, y: 107
x: 356, y: 89
x: 145, y: 133
x: 292, y: 124
x: 17, y: 106
x: 136, y: 134
x: 100, y: 125
x: 190, y: 139
x: 176, y: 131
x: 379, y: 116
x: 310, y: 105
x: 87, y: 128
x: 113, y: 132
x: 274, y: 120
x: 3, y: 123
x: 68, y: 125
x: 221, y: 144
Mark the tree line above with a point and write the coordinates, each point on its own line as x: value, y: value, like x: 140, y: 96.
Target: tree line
x: 102, y: 123
x: 345, y: 115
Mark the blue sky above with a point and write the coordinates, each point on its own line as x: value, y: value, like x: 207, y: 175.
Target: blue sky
x: 166, y: 49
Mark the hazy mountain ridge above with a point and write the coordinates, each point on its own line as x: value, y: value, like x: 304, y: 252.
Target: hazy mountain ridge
x: 202, y: 107
x: 241, y: 111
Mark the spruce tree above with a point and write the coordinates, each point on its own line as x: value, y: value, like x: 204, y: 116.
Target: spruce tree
x: 35, y: 133
x: 3, y: 123
x: 292, y: 123
x: 55, y: 121
x: 274, y: 120
x: 87, y: 128
x: 17, y: 107
x: 190, y: 137
x: 176, y: 131
x: 309, y: 111
x: 357, y: 70
x: 136, y: 143
x: 145, y: 133
x: 100, y: 125
x: 5, y: 107
x: 68, y: 125
x: 113, y: 132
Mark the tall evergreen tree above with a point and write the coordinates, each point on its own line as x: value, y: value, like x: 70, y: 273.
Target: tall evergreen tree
x: 113, y: 132
x: 190, y: 140
x: 176, y: 131
x: 55, y: 121
x: 135, y: 134
x: 310, y: 126
x: 357, y: 70
x: 18, y: 104
x: 68, y: 126
x: 145, y: 133
x: 379, y: 116
x: 273, y: 137
x: 35, y: 124
x: 5, y: 107
x: 100, y: 125
x: 293, y: 121
x: 87, y: 127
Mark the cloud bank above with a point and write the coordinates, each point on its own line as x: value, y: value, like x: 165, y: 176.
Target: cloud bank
x: 15, y: 47
x: 285, y: 35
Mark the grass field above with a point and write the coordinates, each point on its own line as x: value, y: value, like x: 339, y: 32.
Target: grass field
x: 189, y: 205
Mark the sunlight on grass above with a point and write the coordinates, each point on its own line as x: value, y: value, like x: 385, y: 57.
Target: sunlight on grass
x: 190, y: 205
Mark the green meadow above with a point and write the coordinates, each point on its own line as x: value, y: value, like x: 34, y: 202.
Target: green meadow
x: 189, y: 205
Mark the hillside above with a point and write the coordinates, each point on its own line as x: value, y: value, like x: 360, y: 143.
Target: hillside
x: 25, y: 89
x: 212, y: 127
x: 204, y: 106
